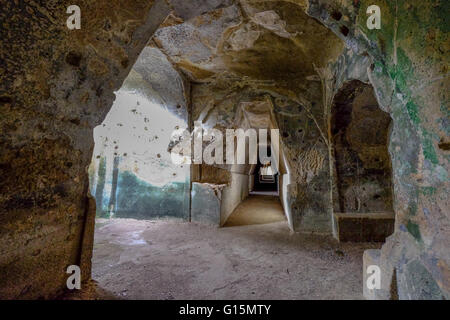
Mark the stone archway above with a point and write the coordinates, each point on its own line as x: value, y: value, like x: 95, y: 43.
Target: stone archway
x: 55, y: 93
x: 56, y: 89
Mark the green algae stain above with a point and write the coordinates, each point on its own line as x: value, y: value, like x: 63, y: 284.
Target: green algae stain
x: 427, y: 191
x: 413, y: 229
x: 403, y: 73
x: 413, y: 112
x: 428, y: 149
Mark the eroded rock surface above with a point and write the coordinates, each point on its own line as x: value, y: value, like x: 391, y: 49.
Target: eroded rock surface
x: 293, y: 56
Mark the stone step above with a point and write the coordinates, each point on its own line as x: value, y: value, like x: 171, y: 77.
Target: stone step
x: 364, y: 227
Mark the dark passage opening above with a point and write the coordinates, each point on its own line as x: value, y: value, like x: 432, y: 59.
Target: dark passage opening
x: 265, y: 180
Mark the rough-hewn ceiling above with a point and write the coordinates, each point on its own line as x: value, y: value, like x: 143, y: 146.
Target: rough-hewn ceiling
x: 271, y: 43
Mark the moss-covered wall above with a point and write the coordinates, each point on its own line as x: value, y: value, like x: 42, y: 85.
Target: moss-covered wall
x: 410, y: 76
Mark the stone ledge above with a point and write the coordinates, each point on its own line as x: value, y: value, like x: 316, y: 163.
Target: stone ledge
x: 364, y: 227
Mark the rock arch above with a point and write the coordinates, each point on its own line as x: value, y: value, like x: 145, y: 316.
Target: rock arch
x: 57, y: 84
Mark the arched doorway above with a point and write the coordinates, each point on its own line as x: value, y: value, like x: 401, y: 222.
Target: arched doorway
x: 363, y: 197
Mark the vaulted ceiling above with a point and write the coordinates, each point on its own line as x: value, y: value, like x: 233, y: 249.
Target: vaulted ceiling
x: 271, y: 44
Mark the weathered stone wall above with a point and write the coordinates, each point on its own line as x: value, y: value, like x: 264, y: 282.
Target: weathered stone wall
x: 233, y: 195
x: 248, y: 50
x: 206, y: 203
x: 360, y: 133
x: 410, y: 77
x: 56, y: 85
x: 304, y: 143
x: 141, y: 181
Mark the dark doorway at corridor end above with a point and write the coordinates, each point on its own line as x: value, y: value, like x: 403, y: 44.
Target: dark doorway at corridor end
x: 264, y: 179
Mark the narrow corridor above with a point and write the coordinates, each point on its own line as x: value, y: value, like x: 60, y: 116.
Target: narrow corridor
x: 259, y: 208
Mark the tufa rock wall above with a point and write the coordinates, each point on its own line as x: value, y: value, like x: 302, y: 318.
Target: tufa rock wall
x: 56, y: 86
x: 409, y: 72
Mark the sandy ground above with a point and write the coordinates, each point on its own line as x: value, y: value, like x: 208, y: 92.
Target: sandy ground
x: 178, y: 260
x: 257, y: 209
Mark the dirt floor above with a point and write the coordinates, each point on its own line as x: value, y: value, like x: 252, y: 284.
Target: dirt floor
x: 178, y: 260
x: 257, y: 209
